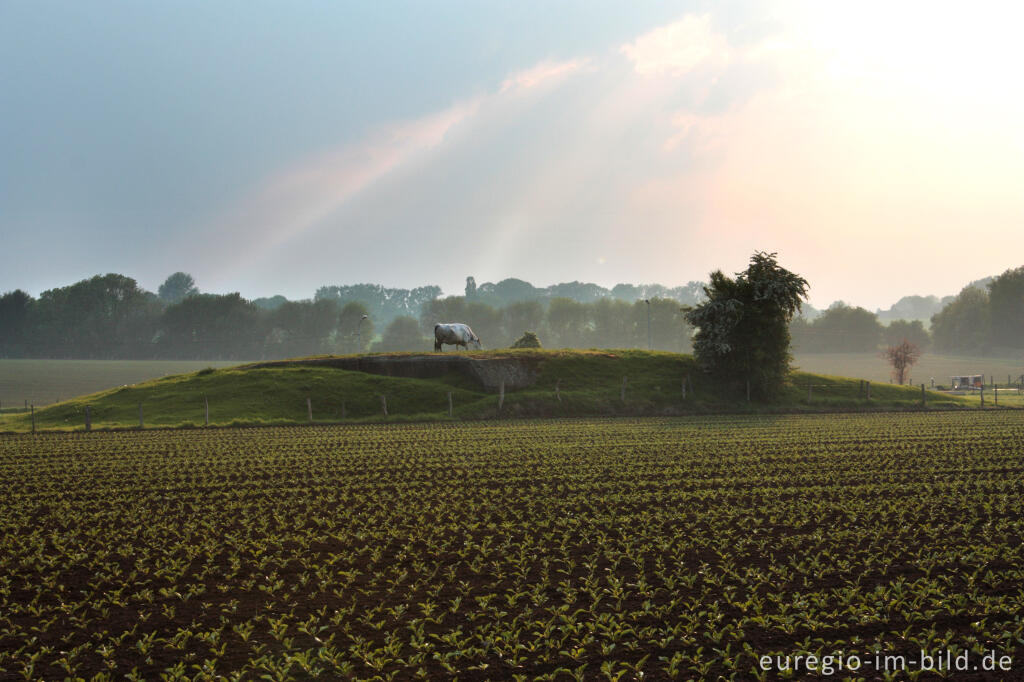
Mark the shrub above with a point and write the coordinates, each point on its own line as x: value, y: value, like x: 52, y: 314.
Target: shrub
x: 527, y: 340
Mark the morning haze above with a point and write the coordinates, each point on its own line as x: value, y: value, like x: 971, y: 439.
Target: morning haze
x: 511, y: 340
x: 271, y: 151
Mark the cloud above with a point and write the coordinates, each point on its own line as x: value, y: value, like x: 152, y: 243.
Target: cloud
x: 295, y: 200
x: 680, y: 151
x: 485, y: 182
x: 289, y: 204
x: 678, y: 48
x: 542, y: 73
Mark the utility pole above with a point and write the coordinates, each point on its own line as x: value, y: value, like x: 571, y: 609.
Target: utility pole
x: 648, y: 302
x: 359, y: 334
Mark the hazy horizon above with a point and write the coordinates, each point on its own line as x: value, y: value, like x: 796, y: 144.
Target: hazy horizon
x: 876, y: 148
x: 460, y: 291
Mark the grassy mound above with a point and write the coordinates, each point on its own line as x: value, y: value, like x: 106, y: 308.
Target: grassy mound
x: 568, y: 383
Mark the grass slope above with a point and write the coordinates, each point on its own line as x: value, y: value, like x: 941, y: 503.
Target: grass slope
x: 589, y: 383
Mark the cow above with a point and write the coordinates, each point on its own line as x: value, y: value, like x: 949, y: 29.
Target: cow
x: 454, y: 334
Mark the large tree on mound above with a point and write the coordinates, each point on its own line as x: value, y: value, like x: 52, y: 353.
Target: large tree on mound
x: 743, y: 327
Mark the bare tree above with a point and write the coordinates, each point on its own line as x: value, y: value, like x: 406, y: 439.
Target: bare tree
x: 902, y: 357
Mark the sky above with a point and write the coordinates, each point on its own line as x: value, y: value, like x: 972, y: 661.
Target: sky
x: 272, y: 148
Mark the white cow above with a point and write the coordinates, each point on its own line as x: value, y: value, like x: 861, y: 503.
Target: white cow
x: 454, y: 334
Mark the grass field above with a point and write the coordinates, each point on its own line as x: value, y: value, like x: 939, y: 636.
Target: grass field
x: 589, y: 383
x: 1006, y: 398
x: 43, y: 382
x: 671, y: 548
x: 940, y: 367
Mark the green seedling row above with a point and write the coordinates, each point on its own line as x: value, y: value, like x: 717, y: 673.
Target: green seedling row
x: 618, y: 549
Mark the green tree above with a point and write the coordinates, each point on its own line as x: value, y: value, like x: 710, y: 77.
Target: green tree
x: 568, y: 323
x: 614, y: 325
x: 355, y: 328
x: 583, y: 292
x: 212, y: 327
x: 302, y: 328
x: 913, y: 308
x: 517, y: 318
x: 106, y: 316
x: 507, y: 291
x: 743, y: 326
x: 912, y: 331
x: 403, y: 334
x: 669, y: 329
x: 269, y: 302
x: 177, y: 288
x: 844, y: 329
x: 801, y: 335
x: 481, y: 317
x: 963, y: 325
x: 384, y: 304
x: 1006, y: 308
x: 15, y: 307
x: 527, y: 340
x: 443, y: 310
x: 485, y: 322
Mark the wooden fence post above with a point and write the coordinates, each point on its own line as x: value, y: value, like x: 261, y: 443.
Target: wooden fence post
x: 995, y: 396
x: 558, y: 393
x: 501, y: 395
x: 141, y: 424
x: 983, y: 395
x: 309, y: 408
x: 683, y: 385
x: 924, y: 399
x: 868, y: 386
x: 206, y: 410
x: 449, y: 403
x: 622, y: 391
x: 384, y: 403
x: 33, y: 408
x: 88, y: 419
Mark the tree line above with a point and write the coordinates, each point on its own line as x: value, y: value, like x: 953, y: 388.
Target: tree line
x: 848, y: 329
x: 385, y: 304
x: 985, y: 318
x: 112, y: 317
x: 558, y: 323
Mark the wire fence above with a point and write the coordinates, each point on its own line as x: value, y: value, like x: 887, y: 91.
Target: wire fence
x: 335, y: 411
